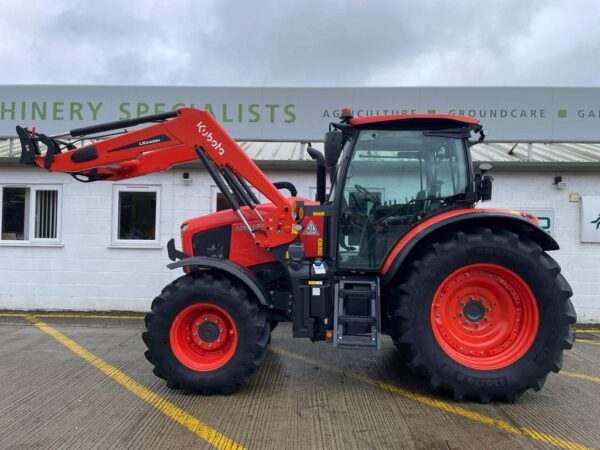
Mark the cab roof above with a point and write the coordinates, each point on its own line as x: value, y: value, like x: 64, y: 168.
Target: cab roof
x: 357, y: 121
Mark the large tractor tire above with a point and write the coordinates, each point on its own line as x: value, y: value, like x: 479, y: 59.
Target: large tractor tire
x: 205, y: 334
x: 483, y: 314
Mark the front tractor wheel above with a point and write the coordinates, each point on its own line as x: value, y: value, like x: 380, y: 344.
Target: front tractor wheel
x: 483, y: 314
x: 205, y: 334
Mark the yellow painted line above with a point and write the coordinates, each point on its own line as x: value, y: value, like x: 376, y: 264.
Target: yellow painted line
x: 180, y: 416
x: 587, y: 341
x: 438, y: 404
x: 586, y: 330
x: 13, y: 315
x: 581, y: 376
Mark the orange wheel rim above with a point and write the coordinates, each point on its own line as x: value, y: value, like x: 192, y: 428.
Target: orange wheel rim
x: 484, y: 316
x: 203, y: 337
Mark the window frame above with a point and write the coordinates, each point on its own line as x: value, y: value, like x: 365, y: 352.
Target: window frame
x: 32, y: 241
x: 135, y: 243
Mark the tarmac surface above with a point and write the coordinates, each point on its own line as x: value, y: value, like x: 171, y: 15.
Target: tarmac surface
x: 81, y: 381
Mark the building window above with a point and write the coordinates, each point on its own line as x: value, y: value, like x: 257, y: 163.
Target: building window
x: 219, y: 203
x: 30, y: 214
x: 217, y: 200
x: 136, y: 215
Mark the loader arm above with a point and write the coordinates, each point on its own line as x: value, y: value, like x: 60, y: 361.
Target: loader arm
x: 177, y: 137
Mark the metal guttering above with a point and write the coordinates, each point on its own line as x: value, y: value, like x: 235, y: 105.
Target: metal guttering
x: 504, y: 156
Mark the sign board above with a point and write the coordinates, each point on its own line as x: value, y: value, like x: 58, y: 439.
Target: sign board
x: 590, y: 218
x: 545, y: 217
x: 302, y: 114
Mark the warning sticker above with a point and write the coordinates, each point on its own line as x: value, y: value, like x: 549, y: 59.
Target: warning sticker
x: 311, y: 229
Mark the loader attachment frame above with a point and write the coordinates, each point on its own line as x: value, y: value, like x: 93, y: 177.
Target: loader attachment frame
x: 174, y: 138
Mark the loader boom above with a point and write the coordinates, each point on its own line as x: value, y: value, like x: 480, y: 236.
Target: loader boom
x: 182, y: 136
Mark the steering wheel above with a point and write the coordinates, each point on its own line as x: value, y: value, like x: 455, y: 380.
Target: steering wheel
x: 369, y: 195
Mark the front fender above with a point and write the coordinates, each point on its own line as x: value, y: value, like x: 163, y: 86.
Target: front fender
x: 242, y: 274
x: 515, y: 221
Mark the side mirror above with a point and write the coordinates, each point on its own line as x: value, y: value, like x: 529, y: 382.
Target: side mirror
x: 483, y: 183
x: 485, y: 188
x: 333, y: 147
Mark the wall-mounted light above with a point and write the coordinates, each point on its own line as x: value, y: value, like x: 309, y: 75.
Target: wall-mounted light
x: 559, y: 183
x: 186, y: 178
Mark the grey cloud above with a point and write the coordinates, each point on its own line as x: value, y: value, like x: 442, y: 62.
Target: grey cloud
x: 300, y: 43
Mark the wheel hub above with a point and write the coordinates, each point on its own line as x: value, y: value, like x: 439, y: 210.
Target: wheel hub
x: 208, y: 331
x: 474, y: 310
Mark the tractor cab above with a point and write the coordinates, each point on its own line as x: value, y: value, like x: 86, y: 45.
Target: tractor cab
x: 389, y: 174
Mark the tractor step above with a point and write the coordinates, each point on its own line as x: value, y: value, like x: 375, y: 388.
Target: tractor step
x: 357, y: 313
x: 358, y: 319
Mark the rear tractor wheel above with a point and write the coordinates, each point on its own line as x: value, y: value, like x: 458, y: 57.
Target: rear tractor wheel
x: 483, y: 314
x: 205, y: 334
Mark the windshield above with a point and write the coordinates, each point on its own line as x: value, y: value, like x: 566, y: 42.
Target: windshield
x: 394, y: 180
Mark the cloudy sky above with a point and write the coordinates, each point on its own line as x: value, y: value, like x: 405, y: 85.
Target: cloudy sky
x: 300, y: 43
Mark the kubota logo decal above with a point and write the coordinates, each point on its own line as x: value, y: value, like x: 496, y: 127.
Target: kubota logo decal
x: 209, y: 138
x: 597, y: 222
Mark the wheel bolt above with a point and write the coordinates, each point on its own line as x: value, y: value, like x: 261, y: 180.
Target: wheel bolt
x: 460, y: 314
x: 466, y: 322
x: 219, y: 340
x: 216, y: 320
x: 487, y: 319
x: 210, y: 345
x: 197, y: 324
x: 195, y: 334
x: 220, y: 330
x: 206, y: 318
x: 477, y: 324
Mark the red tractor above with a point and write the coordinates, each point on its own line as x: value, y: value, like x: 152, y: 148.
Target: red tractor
x: 469, y: 296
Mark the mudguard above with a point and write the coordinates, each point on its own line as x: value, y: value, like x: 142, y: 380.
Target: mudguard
x: 516, y: 221
x: 243, y: 274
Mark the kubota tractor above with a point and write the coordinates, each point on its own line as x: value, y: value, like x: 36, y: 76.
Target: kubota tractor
x: 469, y: 296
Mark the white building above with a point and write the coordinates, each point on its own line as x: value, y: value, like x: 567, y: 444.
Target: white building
x: 65, y: 244
x: 68, y: 245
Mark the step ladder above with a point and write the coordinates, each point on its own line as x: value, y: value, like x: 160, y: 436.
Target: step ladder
x: 353, y: 330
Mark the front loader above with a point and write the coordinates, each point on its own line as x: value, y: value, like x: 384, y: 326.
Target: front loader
x: 469, y: 296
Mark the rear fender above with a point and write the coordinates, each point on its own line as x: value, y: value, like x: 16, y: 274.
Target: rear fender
x: 242, y: 274
x: 515, y: 221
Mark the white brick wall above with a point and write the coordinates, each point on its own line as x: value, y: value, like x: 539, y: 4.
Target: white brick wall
x: 86, y: 273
